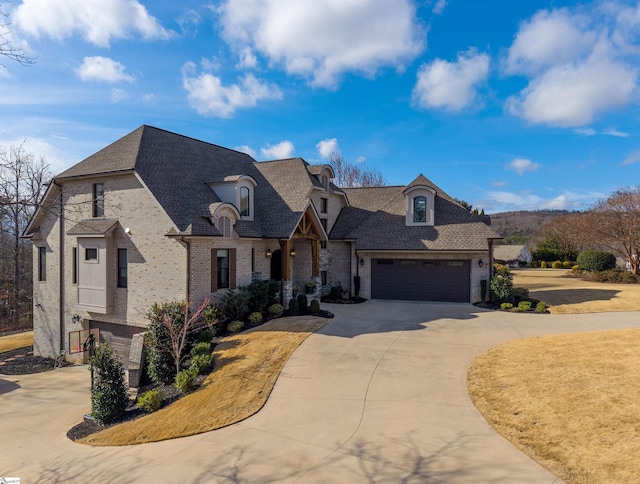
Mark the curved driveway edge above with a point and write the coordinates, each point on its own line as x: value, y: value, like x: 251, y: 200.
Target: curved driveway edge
x: 377, y: 395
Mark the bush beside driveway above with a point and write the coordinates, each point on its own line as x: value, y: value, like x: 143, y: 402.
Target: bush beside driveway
x: 574, y: 295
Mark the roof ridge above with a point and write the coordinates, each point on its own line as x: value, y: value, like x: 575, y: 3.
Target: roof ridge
x: 195, y: 139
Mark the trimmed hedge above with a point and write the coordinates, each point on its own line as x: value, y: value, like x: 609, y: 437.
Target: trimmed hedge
x: 596, y: 260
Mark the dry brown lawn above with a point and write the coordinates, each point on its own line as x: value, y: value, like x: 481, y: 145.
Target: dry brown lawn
x: 570, y: 295
x: 16, y: 341
x: 571, y: 402
x: 246, y: 368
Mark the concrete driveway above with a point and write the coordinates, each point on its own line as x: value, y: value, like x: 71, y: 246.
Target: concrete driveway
x: 378, y: 395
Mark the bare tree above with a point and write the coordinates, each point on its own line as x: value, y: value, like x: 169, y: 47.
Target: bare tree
x: 6, y: 47
x: 22, y: 183
x: 615, y: 224
x: 178, y: 330
x: 350, y: 175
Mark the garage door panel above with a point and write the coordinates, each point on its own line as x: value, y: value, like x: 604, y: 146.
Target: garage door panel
x: 118, y: 336
x: 421, y: 279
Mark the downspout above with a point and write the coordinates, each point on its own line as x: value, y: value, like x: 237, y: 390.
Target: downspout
x: 490, y: 267
x: 61, y: 267
x: 188, y: 246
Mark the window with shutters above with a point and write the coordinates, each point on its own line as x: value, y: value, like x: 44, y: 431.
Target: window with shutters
x: 223, y: 269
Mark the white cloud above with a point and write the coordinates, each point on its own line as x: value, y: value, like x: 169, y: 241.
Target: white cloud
x: 118, y: 95
x: 522, y: 165
x: 549, y: 38
x: 632, y: 158
x: 438, y: 8
x: 210, y: 97
x: 327, y: 146
x: 608, y: 132
x: 148, y: 97
x: 323, y: 39
x: 451, y: 85
x: 189, y: 23
x: 498, y: 184
x: 248, y: 60
x: 41, y: 149
x: 97, y: 21
x: 361, y: 159
x: 99, y: 68
x: 573, y: 94
x: 281, y: 151
x: 500, y: 201
x: 246, y: 149
x: 615, y: 132
x: 578, y: 63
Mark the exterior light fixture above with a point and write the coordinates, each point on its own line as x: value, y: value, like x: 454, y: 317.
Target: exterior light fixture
x: 361, y: 262
x: 480, y: 263
x: 292, y: 252
x: 268, y: 254
x: 75, y: 318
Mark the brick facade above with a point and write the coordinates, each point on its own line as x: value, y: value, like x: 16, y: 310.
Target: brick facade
x: 156, y: 263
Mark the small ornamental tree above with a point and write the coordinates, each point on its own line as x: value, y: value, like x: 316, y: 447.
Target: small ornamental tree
x: 109, y: 393
x: 502, y: 285
x: 173, y: 329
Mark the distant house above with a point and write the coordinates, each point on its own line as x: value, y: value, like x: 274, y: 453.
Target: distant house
x: 513, y: 255
x: 157, y: 216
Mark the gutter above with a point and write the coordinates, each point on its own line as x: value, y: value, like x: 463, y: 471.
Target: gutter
x: 61, y: 267
x: 188, y: 282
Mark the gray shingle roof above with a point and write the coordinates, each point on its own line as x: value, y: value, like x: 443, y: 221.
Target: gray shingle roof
x: 376, y: 219
x: 176, y: 170
x: 510, y: 253
x: 93, y: 227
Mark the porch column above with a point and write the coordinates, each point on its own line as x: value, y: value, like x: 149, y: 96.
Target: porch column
x: 286, y: 259
x: 315, y: 257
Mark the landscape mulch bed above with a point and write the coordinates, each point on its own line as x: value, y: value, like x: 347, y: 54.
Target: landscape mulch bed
x: 23, y: 362
x: 169, y: 395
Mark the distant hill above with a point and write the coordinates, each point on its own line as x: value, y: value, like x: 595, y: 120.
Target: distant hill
x: 522, y: 227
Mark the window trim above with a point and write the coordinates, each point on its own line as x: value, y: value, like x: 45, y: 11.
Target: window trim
x: 223, y: 224
x: 97, y: 200
x: 415, y: 200
x: 123, y: 264
x: 245, y: 211
x: 214, y: 268
x: 91, y: 260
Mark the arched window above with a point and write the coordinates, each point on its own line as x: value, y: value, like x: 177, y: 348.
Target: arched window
x: 224, y: 226
x: 244, y: 202
x: 419, y: 209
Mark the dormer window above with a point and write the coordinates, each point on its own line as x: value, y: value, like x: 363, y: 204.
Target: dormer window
x: 244, y: 202
x: 420, y: 205
x: 237, y: 190
x: 223, y: 224
x: 419, y: 209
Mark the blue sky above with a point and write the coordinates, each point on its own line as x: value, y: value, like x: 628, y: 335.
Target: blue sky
x: 510, y: 105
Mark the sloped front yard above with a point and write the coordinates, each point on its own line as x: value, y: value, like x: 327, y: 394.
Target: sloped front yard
x: 246, y: 368
x: 570, y: 295
x: 571, y: 402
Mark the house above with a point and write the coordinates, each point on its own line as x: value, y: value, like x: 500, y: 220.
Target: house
x: 156, y: 216
x: 513, y: 255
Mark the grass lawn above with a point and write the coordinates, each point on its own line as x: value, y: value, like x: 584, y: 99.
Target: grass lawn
x: 570, y: 402
x: 570, y: 295
x: 246, y: 368
x: 16, y: 341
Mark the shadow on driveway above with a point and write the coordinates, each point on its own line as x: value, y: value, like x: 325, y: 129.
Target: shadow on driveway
x: 7, y: 386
